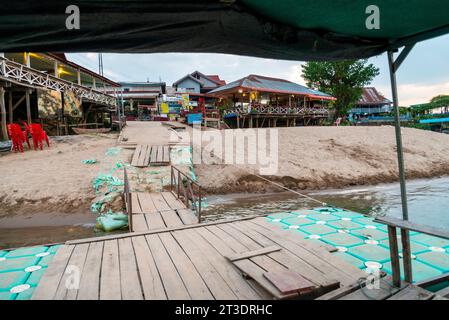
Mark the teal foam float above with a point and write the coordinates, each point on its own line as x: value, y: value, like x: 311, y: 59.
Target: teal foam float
x: 361, y: 240
x: 21, y: 270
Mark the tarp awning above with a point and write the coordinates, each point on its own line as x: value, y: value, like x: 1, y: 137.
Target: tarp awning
x: 281, y: 29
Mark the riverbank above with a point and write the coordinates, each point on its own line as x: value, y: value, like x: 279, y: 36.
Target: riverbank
x: 318, y: 158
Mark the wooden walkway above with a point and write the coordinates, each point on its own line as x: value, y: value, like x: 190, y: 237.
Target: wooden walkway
x: 159, y: 210
x: 385, y: 291
x: 146, y: 155
x: 193, y: 262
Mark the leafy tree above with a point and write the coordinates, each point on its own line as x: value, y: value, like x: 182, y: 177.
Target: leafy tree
x: 440, y: 101
x: 343, y: 80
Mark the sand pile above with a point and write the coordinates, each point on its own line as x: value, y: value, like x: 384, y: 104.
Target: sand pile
x: 56, y: 179
x: 335, y: 157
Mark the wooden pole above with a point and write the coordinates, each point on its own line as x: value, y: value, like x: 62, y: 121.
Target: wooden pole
x: 10, y: 109
x: 27, y: 98
x: 3, y: 114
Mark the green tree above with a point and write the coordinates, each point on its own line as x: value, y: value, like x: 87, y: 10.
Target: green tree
x: 343, y: 80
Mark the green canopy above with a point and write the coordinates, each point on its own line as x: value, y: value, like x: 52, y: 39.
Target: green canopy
x: 282, y: 29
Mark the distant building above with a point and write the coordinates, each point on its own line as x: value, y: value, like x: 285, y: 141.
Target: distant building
x: 371, y: 103
x: 141, y: 93
x: 196, y: 82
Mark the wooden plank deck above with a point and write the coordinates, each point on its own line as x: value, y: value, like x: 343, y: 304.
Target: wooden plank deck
x: 146, y: 155
x: 158, y: 210
x: 189, y: 262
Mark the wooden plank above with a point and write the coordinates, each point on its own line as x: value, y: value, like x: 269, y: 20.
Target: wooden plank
x: 412, y: 292
x: 139, y: 222
x: 152, y: 286
x: 171, y: 218
x: 146, y: 160
x: 443, y: 292
x: 129, y: 277
x: 288, y: 259
x: 146, y: 203
x: 394, y: 255
x: 89, y: 288
x: 240, y: 237
x: 133, y: 234
x: 241, y: 287
x: 46, y: 289
x: 141, y: 158
x: 160, y: 154
x: 166, y: 157
x: 249, y: 254
x: 195, y: 248
x: 174, y: 287
x: 254, y: 271
x: 68, y: 290
x: 333, y: 266
x: 192, y: 280
x: 405, y: 224
x: 136, y: 155
x: 288, y: 281
x: 172, y: 201
x: 159, y: 202
x: 154, y: 221
x: 135, y: 204
x: 110, y: 272
x: 321, y: 262
x: 153, y: 156
x: 187, y: 216
x: 384, y: 291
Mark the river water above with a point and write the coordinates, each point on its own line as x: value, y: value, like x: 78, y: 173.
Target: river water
x: 428, y: 202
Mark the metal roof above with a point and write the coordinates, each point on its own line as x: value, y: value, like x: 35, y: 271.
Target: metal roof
x: 268, y: 84
x: 370, y: 96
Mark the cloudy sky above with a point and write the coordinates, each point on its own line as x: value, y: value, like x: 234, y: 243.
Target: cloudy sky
x: 423, y: 75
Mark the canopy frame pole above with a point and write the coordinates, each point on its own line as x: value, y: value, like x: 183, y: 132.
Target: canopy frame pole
x: 405, y: 238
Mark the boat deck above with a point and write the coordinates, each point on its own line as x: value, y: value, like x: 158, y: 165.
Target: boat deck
x: 158, y: 210
x: 220, y: 260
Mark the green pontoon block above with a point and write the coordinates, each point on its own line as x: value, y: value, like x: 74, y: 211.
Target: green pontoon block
x: 429, y: 241
x: 283, y: 215
x: 11, y: 279
x: 297, y: 221
x: 318, y: 229
x: 414, y: 246
x: 344, y: 224
x: 6, y: 295
x: 45, y: 261
x: 306, y: 212
x: 421, y: 271
x: 350, y: 259
x: 35, y: 277
x: 17, y: 264
x: 370, y: 252
x: 55, y: 248
x: 25, y: 295
x: 2, y: 253
x: 296, y: 233
x: 347, y: 214
x: 374, y: 234
x: 342, y: 239
x: 323, y: 217
x: 22, y: 252
x: 326, y: 209
x: 439, y: 260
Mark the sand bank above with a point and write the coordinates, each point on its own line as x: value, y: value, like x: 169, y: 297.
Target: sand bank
x: 335, y: 157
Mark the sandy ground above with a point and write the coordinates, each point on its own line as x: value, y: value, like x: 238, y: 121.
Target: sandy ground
x: 55, y: 179
x: 335, y: 157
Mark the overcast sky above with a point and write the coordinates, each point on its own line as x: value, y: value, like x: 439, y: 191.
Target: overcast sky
x: 423, y: 75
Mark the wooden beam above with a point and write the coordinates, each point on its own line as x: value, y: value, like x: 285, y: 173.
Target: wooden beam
x: 250, y: 254
x: 405, y: 224
x: 18, y: 102
x: 394, y: 254
x: 3, y: 114
x: 10, y: 108
x: 27, y: 98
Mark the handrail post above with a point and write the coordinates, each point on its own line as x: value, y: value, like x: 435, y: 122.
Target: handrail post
x: 199, y: 204
x: 394, y: 255
x: 179, y: 185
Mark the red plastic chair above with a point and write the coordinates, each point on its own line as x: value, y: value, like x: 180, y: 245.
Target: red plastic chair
x: 38, y: 135
x: 18, y: 137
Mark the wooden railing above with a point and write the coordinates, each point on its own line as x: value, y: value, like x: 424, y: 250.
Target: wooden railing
x: 187, y: 190
x: 281, y: 110
x: 405, y: 226
x: 128, y: 202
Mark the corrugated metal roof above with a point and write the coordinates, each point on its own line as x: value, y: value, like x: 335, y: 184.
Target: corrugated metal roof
x: 269, y: 84
x: 370, y: 96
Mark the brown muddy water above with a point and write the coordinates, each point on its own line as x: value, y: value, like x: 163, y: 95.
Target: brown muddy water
x: 428, y: 204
